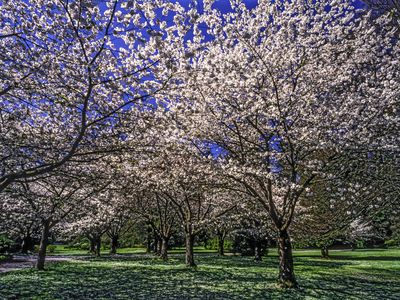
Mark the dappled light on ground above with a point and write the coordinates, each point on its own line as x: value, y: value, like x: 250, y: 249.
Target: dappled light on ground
x: 349, y: 275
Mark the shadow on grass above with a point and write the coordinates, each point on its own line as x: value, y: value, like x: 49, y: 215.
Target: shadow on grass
x: 147, y: 277
x: 363, y: 258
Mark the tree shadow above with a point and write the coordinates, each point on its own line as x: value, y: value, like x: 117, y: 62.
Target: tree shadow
x: 365, y: 258
x: 148, y: 277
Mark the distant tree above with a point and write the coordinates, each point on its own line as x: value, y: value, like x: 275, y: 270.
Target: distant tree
x: 53, y: 199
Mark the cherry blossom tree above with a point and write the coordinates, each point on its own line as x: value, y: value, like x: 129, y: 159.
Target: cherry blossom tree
x: 159, y: 214
x: 367, y: 187
x: 55, y: 198
x: 70, y: 71
x: 18, y: 221
x: 287, y: 90
x: 92, y: 224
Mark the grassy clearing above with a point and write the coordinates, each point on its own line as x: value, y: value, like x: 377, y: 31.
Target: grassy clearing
x: 65, y: 250
x: 365, y: 274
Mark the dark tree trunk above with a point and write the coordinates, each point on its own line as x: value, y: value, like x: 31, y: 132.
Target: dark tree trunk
x: 44, y: 241
x: 257, y: 251
x: 114, y: 244
x: 92, y: 245
x: 189, y: 256
x: 164, y: 248
x: 324, y: 252
x: 148, y: 244
x: 98, y: 246
x: 221, y: 241
x: 156, y: 246
x: 159, y: 246
x: 287, y: 278
x: 27, y: 244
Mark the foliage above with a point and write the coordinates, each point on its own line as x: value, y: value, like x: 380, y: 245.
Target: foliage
x: 51, y: 248
x: 6, y: 244
x: 213, y: 244
x: 121, y: 114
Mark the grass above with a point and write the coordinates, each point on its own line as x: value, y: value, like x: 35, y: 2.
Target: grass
x: 362, y: 274
x: 65, y: 250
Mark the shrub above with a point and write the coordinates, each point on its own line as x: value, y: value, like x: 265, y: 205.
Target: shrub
x: 392, y: 243
x: 84, y: 246
x: 51, y: 248
x: 6, y: 244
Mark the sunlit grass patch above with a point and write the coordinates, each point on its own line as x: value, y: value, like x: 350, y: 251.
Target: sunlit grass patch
x: 348, y: 275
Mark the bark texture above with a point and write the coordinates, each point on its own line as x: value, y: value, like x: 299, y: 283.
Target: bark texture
x: 27, y: 244
x: 44, y: 241
x: 114, y: 244
x: 164, y: 248
x: 189, y: 255
x: 221, y: 241
x: 287, y: 278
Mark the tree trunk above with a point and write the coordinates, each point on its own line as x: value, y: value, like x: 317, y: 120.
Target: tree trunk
x: 114, y: 244
x: 92, y: 245
x: 164, y: 248
x: 159, y: 246
x: 221, y: 241
x: 27, y: 244
x: 257, y: 251
x: 156, y: 249
x: 98, y: 246
x: 287, y: 278
x: 156, y: 246
x: 189, y: 256
x: 44, y: 241
x: 324, y: 252
x: 148, y: 244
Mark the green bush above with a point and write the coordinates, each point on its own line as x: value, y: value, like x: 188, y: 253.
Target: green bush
x: 212, y: 244
x: 51, y: 248
x: 360, y: 244
x: 84, y: 246
x: 6, y: 244
x: 392, y: 243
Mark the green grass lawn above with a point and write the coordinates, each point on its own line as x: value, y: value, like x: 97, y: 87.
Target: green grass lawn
x: 65, y: 250
x: 362, y: 274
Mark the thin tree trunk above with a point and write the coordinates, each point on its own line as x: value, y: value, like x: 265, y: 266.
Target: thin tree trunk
x: 44, y: 241
x: 92, y: 245
x: 27, y: 244
x: 189, y: 255
x: 114, y: 244
x: 156, y: 244
x: 221, y: 241
x: 148, y: 244
x: 287, y: 278
x: 98, y: 246
x: 164, y: 248
x: 257, y: 251
x: 324, y: 252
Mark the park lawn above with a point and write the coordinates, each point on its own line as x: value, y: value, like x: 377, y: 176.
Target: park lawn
x: 65, y: 250
x: 362, y: 274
